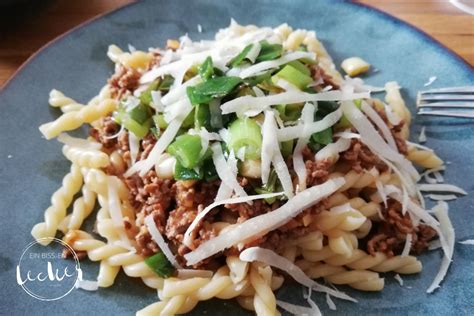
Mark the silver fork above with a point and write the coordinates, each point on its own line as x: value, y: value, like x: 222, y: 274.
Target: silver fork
x: 454, y: 102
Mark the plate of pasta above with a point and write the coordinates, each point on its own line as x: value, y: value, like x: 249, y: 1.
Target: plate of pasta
x: 210, y: 158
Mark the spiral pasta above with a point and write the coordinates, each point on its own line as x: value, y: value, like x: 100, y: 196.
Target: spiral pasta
x: 359, y: 279
x: 59, y: 100
x: 292, y: 39
x: 180, y: 296
x: 137, y: 59
x: 72, y: 120
x: 86, y: 157
x: 113, y: 255
x: 360, y: 260
x: 396, y: 102
x: 424, y: 158
x: 81, y: 209
x: 60, y: 200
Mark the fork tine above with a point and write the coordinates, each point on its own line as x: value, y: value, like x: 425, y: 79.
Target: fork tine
x: 465, y: 89
x: 463, y: 114
x: 465, y: 105
x: 446, y: 97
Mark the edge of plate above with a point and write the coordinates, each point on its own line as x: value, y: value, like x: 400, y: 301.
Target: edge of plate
x: 374, y: 10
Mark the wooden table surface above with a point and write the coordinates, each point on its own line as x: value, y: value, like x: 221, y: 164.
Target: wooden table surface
x: 26, y: 28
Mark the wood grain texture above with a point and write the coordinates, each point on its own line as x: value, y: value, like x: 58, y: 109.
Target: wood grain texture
x: 26, y: 28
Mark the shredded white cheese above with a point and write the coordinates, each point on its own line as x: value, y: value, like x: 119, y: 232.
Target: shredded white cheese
x: 442, y: 197
x: 115, y: 207
x: 374, y: 141
x: 134, y: 145
x: 187, y: 240
x: 467, y: 242
x: 398, y: 278
x: 296, y: 309
x: 224, y: 171
x: 441, y: 187
x: 447, y: 232
x: 407, y: 247
x: 259, y: 104
x: 306, y: 130
x: 307, y: 117
x: 271, y: 152
x: 266, y: 65
x: 422, y: 137
x: 264, y: 223
x: 158, y: 238
x: 430, y: 81
x: 271, y: 258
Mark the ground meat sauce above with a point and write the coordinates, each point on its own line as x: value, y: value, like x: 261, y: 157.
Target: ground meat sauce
x: 105, y: 134
x: 320, y: 76
x: 124, y: 80
x: 360, y: 158
x: 390, y: 235
x: 175, y: 204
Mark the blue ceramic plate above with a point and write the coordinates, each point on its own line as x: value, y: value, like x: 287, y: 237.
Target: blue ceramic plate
x: 32, y: 168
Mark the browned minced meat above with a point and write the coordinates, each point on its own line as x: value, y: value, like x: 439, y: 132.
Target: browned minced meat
x: 156, y: 53
x: 395, y: 129
x: 317, y: 172
x: 124, y: 80
x: 359, y: 157
x: 390, y: 234
x: 318, y: 74
x: 108, y: 128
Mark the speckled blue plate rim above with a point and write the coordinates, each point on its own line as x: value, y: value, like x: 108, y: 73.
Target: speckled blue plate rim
x: 451, y: 139
x: 394, y: 19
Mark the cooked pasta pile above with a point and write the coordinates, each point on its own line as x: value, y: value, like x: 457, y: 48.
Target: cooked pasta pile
x: 223, y: 167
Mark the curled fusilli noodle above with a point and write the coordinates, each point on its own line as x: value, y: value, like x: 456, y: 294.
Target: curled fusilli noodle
x: 59, y: 100
x: 72, y: 120
x: 424, y: 158
x: 137, y: 59
x: 360, y: 260
x: 60, y: 200
x: 86, y: 157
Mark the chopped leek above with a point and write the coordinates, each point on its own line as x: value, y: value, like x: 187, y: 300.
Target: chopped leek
x: 202, y: 116
x: 237, y: 60
x: 324, y: 137
x: 182, y: 173
x: 269, y: 51
x: 145, y: 97
x: 134, y: 121
x: 344, y: 122
x: 186, y: 148
x: 269, y: 187
x: 287, y: 148
x: 289, y: 112
x: 166, y: 83
x: 189, y: 120
x: 216, y: 114
x: 293, y: 76
x: 159, y: 264
x: 206, y: 70
x: 209, y: 170
x: 159, y: 121
x: 300, y: 66
x: 212, y: 88
x: 255, y: 80
x: 246, y: 133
